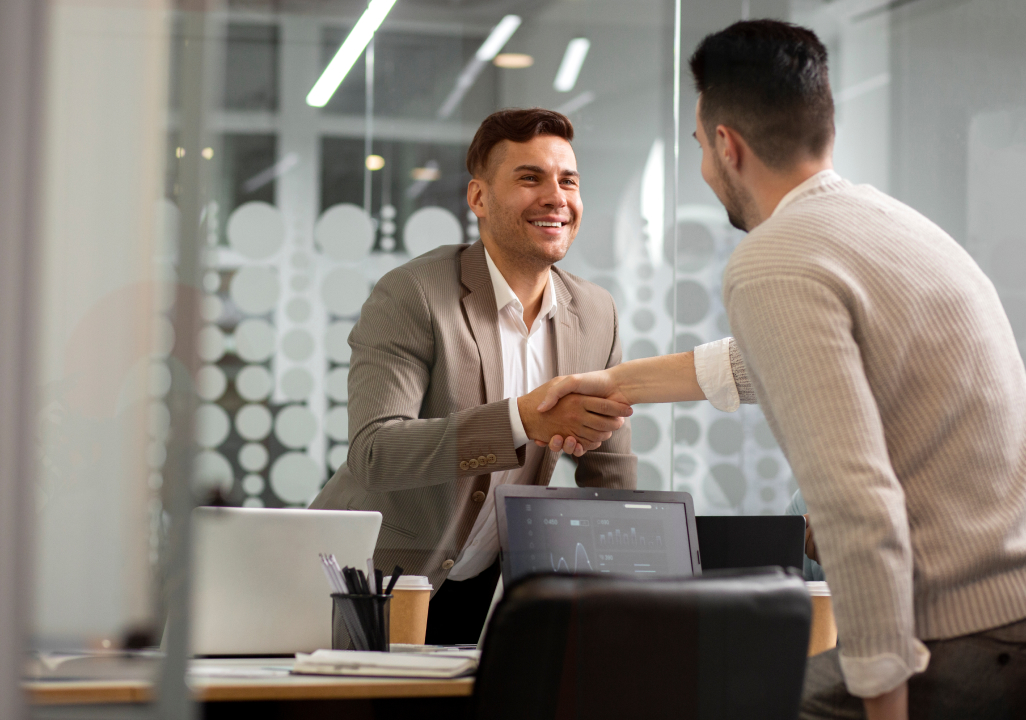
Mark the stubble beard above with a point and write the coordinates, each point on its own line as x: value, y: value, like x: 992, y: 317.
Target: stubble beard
x: 738, y: 203
x: 514, y: 241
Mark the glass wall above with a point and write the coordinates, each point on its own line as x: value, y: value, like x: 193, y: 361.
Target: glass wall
x: 209, y: 237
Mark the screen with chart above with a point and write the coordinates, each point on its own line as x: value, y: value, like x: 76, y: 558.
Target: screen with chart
x: 643, y: 539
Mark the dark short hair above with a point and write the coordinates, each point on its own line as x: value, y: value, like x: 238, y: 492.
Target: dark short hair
x: 768, y: 81
x: 516, y: 125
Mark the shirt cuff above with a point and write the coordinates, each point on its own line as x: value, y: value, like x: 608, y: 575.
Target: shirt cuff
x: 715, y: 377
x: 519, y: 434
x: 873, y: 676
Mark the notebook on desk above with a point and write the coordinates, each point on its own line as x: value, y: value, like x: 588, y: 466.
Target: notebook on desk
x: 641, y: 533
x: 257, y: 586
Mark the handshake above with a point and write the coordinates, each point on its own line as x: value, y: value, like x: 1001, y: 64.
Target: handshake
x: 574, y: 413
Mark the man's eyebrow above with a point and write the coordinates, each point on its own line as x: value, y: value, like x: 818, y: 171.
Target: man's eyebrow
x: 542, y: 171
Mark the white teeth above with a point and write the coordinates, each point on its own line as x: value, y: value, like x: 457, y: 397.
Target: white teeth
x: 540, y: 223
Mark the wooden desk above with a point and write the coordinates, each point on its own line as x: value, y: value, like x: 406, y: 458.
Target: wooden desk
x: 241, y: 689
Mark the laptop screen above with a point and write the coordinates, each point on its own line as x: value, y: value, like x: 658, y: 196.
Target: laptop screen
x: 639, y: 536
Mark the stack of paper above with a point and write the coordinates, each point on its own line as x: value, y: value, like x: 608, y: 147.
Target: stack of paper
x: 382, y: 664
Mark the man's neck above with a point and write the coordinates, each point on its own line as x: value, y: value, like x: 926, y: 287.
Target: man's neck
x: 526, y: 281
x: 773, y: 186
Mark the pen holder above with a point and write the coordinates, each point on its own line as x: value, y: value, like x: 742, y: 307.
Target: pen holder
x: 360, y: 622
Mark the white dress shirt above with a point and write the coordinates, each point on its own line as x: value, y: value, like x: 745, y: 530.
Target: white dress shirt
x: 528, y: 360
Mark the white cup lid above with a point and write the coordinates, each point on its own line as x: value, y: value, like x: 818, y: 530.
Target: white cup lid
x: 410, y: 582
x: 817, y: 588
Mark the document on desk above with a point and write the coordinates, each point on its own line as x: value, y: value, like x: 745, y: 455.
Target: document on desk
x: 359, y: 663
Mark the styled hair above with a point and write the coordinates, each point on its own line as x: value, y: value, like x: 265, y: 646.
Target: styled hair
x: 767, y: 80
x: 516, y: 125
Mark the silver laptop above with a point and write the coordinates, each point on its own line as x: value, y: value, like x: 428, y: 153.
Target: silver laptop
x: 258, y: 587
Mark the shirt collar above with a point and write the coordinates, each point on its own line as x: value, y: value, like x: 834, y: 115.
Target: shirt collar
x: 504, y: 294
x: 823, y: 177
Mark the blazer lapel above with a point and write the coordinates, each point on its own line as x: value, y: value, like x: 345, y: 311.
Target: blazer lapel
x: 479, y: 305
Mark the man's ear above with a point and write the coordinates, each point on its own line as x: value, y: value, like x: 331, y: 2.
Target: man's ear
x: 730, y: 147
x: 476, y: 190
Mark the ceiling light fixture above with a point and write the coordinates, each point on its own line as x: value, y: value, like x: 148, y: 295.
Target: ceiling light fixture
x: 513, y: 61
x: 375, y: 162
x: 349, y: 52
x: 570, y: 68
x: 495, y: 41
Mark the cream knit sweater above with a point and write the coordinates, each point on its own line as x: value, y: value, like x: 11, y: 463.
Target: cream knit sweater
x: 887, y: 369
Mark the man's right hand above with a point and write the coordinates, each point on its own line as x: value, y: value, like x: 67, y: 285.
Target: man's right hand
x: 591, y: 420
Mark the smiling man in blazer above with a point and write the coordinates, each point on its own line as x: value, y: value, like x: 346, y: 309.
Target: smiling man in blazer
x: 450, y: 358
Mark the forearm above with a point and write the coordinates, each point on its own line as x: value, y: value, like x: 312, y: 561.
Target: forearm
x: 667, y: 378
x: 402, y: 454
x: 891, y: 705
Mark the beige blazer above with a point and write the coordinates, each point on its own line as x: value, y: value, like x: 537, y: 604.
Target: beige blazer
x: 426, y: 404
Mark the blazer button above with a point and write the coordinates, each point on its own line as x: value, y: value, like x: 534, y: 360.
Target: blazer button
x: 491, y: 458
x: 473, y: 462
x: 464, y: 465
x: 478, y: 496
x: 482, y: 460
x: 447, y: 565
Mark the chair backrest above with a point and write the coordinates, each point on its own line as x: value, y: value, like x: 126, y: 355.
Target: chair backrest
x: 718, y: 646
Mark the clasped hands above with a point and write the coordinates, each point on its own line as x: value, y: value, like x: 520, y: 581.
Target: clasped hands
x: 574, y: 413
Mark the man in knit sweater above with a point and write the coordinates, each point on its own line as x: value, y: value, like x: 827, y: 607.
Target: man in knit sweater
x: 887, y: 369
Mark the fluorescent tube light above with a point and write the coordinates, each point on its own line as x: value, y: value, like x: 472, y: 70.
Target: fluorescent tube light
x: 349, y: 52
x: 498, y: 38
x: 570, y: 68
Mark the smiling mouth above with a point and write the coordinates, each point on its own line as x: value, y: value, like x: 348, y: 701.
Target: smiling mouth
x: 545, y: 223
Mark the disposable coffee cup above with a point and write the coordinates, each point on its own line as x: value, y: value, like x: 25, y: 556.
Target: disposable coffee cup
x: 410, y: 598
x: 823, y: 632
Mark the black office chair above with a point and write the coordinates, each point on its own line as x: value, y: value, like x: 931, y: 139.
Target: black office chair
x: 718, y: 646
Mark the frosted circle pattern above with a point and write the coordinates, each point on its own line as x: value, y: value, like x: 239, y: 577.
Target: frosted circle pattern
x: 256, y: 230
x: 430, y: 227
x: 692, y: 302
x: 210, y: 382
x: 649, y: 476
x: 212, y: 281
x: 295, y: 478
x: 336, y: 342
x: 298, y: 310
x: 725, y: 486
x: 254, y: 290
x: 337, y: 457
x: 644, y: 433
x: 726, y: 436
x: 686, y: 430
x: 253, y: 502
x: 299, y: 283
x: 212, y: 471
x: 764, y: 436
x: 165, y: 337
x: 159, y: 380
x: 695, y: 247
x: 643, y: 320
x: 642, y: 349
x: 295, y: 426
x: 343, y: 291
x: 345, y: 233
x: 686, y: 342
x: 297, y: 384
x: 768, y: 494
x: 156, y: 454
x: 336, y: 423
x: 254, y: 340
x: 768, y: 468
x: 253, y: 457
x: 253, y: 484
x: 253, y: 422
x: 336, y: 385
x: 298, y: 345
x: 210, y: 343
x: 685, y: 464
x: 159, y: 421
x: 254, y: 383
x: 212, y: 425
x: 212, y: 308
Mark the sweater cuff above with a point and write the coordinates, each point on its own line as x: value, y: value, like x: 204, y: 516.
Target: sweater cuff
x: 519, y: 434
x: 873, y: 676
x: 715, y: 377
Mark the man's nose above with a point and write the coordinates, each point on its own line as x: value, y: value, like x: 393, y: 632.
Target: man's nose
x: 555, y: 195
